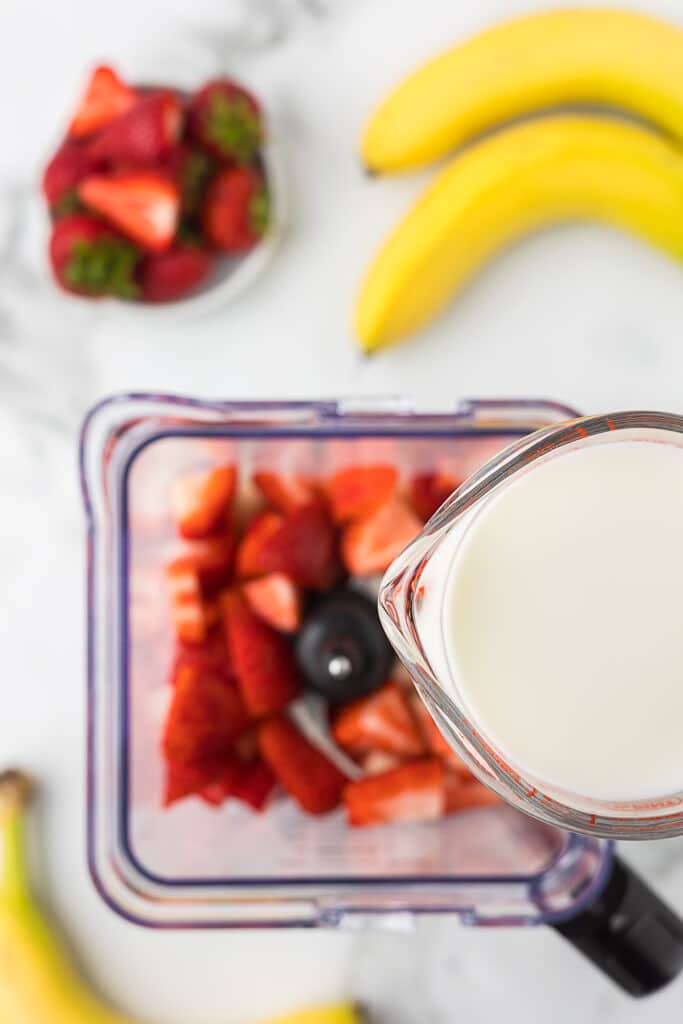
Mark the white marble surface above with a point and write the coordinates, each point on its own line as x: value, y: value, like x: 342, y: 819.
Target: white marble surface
x: 580, y: 315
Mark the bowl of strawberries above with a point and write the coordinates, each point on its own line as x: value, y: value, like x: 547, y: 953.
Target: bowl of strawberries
x: 158, y: 196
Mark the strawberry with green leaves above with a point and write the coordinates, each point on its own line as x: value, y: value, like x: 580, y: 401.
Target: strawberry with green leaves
x: 90, y: 258
x: 191, y: 168
x: 235, y: 212
x: 226, y: 120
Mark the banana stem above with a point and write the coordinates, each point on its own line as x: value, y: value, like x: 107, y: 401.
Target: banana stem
x: 15, y: 789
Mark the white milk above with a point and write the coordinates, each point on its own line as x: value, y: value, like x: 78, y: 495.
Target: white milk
x: 555, y: 612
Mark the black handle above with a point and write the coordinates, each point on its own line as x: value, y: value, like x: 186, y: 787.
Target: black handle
x: 629, y: 933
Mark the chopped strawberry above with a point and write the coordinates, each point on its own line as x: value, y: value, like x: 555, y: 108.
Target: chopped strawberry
x: 235, y: 209
x: 413, y: 792
x: 105, y: 98
x: 144, y: 134
x: 165, y: 276
x: 306, y: 773
x: 306, y: 548
x: 257, y: 535
x: 182, y: 781
x: 143, y: 204
x: 178, y: 784
x: 285, y: 492
x: 264, y: 664
x: 217, y: 787
x: 435, y: 741
x: 253, y: 784
x: 467, y: 794
x: 201, y: 501
x: 246, y: 747
x: 358, y: 491
x: 183, y: 582
x: 212, y: 613
x: 375, y: 762
x: 302, y: 545
x: 226, y: 120
x: 428, y: 491
x: 211, y: 558
x: 205, y: 717
x: 70, y: 164
x: 206, y: 777
x: 382, y: 721
x: 370, y: 545
x: 210, y: 656
x: 189, y: 622
x: 191, y: 169
x: 214, y: 793
x: 187, y: 609
x: 276, y: 600
x: 90, y: 258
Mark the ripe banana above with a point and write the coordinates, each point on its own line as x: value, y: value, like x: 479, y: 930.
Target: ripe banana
x: 533, y: 174
x: 339, y: 1013
x: 565, y: 57
x: 38, y: 984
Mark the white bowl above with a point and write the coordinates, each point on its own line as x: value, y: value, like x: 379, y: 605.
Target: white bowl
x: 231, y: 275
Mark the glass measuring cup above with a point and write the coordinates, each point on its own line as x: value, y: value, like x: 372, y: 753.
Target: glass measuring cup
x: 402, y: 604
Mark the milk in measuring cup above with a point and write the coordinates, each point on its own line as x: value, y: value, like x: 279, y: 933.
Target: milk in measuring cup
x: 554, y: 614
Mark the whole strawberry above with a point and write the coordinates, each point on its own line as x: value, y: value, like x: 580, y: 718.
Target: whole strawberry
x: 170, y: 275
x: 90, y: 258
x: 226, y: 120
x: 145, y: 134
x: 235, y: 211
x: 70, y: 164
x: 191, y: 168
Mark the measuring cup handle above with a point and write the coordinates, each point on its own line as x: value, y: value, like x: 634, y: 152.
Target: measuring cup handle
x: 629, y: 933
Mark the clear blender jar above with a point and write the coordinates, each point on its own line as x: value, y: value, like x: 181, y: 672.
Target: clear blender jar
x: 196, y: 867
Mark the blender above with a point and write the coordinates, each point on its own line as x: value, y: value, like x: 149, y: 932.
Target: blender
x: 194, y: 867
